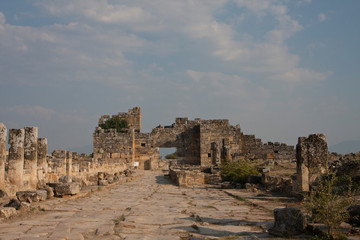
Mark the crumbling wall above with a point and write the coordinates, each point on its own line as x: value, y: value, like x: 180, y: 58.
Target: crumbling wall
x: 197, y: 142
x: 30, y: 167
x: 184, y: 135
x: 146, y: 155
x: 253, y: 148
x: 117, y: 146
x: 132, y: 117
x: 218, y: 141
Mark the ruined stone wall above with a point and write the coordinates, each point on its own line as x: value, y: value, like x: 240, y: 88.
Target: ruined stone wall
x: 253, y: 148
x: 184, y: 135
x: 198, y: 142
x: 132, y: 117
x: 146, y: 155
x: 218, y: 141
x: 117, y: 146
x: 30, y: 167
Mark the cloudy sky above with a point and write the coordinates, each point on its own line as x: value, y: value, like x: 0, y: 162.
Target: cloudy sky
x: 279, y: 68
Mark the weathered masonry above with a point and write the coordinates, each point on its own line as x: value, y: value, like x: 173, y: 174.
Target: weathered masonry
x: 27, y: 166
x: 198, y: 142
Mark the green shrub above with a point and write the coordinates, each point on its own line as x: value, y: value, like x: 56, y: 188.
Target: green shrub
x: 237, y: 172
x: 171, y: 156
x: 327, y: 206
x: 114, y: 123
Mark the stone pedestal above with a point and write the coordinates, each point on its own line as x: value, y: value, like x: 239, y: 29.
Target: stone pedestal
x: 16, y: 156
x: 3, y: 137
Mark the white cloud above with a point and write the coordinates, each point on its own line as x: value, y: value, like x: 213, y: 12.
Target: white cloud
x: 304, y: 1
x: 301, y: 75
x: 100, y: 35
x: 322, y: 17
x: 31, y: 111
x: 220, y: 84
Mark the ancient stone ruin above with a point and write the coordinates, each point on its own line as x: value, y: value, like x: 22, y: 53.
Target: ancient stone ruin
x: 27, y: 166
x: 198, y: 142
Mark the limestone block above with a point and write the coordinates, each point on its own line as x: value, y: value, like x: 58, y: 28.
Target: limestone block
x: 25, y: 206
x: 31, y: 196
x: 288, y: 222
x: 14, y: 203
x: 65, y: 179
x: 61, y: 189
x: 7, y: 212
x: 50, y: 192
x: 3, y: 194
x: 103, y: 183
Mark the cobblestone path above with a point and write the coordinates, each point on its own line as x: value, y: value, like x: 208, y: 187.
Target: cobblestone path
x: 148, y: 207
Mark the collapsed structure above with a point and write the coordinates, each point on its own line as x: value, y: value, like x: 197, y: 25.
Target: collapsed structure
x: 200, y: 145
x: 28, y: 166
x: 198, y: 142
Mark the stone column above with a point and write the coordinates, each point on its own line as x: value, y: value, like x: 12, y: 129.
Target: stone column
x: 16, y: 156
x: 41, y: 153
x: 30, y: 155
x: 68, y: 163
x: 311, y: 159
x: 41, y: 161
x: 3, y: 136
x: 60, y: 156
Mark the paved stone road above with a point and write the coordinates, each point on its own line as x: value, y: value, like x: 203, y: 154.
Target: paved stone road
x: 149, y: 207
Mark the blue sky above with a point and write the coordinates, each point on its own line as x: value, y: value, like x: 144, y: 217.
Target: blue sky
x: 279, y: 68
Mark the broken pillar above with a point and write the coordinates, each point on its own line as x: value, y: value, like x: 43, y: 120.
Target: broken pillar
x: 3, y: 136
x: 41, y: 153
x: 60, y: 166
x: 68, y: 163
x: 30, y: 155
x: 42, y: 166
x: 311, y: 158
x: 16, y: 156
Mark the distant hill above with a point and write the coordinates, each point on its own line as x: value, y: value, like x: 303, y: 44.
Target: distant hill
x: 346, y: 147
x: 84, y: 149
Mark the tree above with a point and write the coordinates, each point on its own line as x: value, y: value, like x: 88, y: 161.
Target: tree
x: 114, y: 123
x: 327, y: 206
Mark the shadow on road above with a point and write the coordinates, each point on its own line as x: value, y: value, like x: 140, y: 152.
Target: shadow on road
x: 160, y: 179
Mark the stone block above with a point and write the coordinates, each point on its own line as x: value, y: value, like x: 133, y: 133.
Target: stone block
x: 288, y: 222
x: 103, y: 183
x: 31, y: 196
x: 61, y: 189
x: 14, y: 203
x: 7, y: 212
x: 3, y: 194
x: 65, y: 179
x: 49, y: 191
